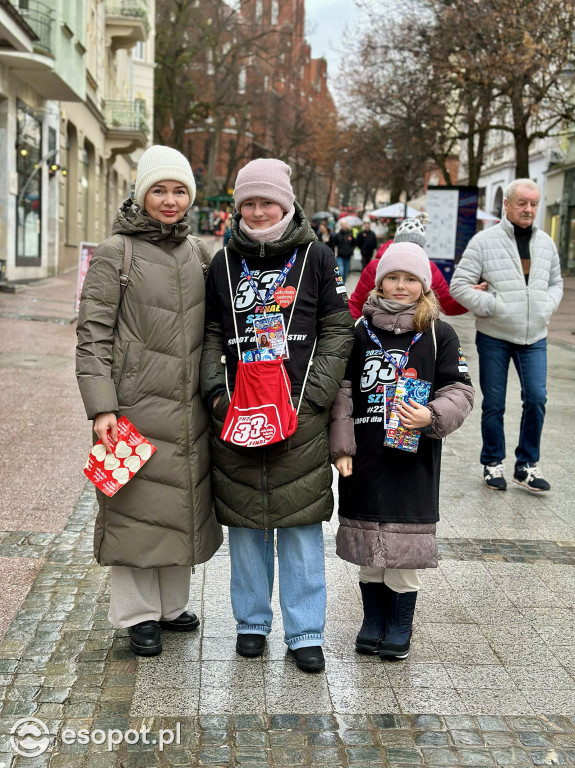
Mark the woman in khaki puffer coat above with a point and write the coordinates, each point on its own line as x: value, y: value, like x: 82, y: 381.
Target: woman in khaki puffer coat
x: 138, y: 355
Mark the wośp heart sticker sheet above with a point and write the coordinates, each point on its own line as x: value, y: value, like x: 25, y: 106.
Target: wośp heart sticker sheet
x: 110, y: 471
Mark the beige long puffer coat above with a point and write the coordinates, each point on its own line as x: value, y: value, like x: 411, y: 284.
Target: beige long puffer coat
x: 140, y: 358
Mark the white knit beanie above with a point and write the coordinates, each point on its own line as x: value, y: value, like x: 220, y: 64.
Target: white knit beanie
x: 160, y: 163
x: 267, y: 178
x: 412, y: 230
x: 405, y: 257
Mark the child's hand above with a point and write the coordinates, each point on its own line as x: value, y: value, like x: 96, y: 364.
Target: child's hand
x: 414, y: 415
x: 344, y: 465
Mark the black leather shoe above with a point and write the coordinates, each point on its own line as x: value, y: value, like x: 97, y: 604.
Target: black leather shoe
x: 186, y: 622
x: 145, y: 638
x: 309, y: 659
x: 250, y: 645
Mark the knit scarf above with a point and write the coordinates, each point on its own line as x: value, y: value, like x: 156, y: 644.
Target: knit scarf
x: 271, y: 234
x: 389, y: 315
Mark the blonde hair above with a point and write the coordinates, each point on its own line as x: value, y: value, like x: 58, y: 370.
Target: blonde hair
x: 426, y: 309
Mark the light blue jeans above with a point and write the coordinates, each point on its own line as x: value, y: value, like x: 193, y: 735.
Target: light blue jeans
x: 301, y: 574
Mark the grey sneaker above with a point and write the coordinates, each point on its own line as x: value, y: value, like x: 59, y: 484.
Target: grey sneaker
x: 529, y: 477
x: 493, y: 476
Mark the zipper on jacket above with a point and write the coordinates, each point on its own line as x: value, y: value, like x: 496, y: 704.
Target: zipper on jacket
x: 184, y: 377
x: 265, y: 495
x: 527, y: 325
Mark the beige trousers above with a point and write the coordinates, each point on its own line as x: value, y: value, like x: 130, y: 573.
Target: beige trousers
x: 147, y: 594
x: 399, y: 579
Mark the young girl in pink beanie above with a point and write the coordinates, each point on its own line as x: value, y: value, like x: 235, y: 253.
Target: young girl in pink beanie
x: 274, y: 267
x: 388, y: 496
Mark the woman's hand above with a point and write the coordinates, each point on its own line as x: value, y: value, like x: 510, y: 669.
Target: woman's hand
x: 344, y: 465
x: 414, y: 415
x: 104, y: 423
x: 480, y: 287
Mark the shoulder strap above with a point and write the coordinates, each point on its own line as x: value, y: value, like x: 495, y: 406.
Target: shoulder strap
x: 125, y: 271
x: 200, y: 254
x: 232, y: 300
x: 434, y: 337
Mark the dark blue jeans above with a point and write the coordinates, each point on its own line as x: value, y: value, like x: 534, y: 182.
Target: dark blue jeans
x: 530, y: 361
x: 343, y: 265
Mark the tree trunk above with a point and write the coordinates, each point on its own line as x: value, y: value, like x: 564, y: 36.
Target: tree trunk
x: 521, y: 154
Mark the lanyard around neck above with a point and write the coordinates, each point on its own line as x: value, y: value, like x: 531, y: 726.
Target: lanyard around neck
x: 402, y: 360
x: 280, y: 279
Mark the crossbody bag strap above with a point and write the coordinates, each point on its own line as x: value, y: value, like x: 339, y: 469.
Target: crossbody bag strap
x: 434, y: 337
x: 125, y: 271
x: 200, y: 254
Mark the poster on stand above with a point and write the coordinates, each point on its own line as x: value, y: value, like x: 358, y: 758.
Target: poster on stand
x: 85, y: 255
x: 452, y: 223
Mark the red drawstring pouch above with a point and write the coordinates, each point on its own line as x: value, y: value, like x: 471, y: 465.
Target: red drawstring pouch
x: 260, y: 412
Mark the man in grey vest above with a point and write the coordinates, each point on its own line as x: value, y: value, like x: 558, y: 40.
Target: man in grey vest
x: 518, y: 266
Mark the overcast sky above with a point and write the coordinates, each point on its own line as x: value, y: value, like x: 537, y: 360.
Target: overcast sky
x: 326, y: 23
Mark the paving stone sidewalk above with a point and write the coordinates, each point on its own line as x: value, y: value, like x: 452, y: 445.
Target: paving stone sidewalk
x: 490, y: 680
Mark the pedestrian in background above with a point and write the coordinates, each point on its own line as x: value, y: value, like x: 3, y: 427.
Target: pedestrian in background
x: 367, y: 243
x: 518, y: 267
x: 138, y: 356
x: 389, y: 498
x: 344, y: 242
x: 283, y: 488
x: 325, y: 235
x: 409, y: 231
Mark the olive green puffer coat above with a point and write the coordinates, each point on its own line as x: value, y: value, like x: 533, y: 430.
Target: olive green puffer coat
x: 140, y: 358
x: 289, y: 483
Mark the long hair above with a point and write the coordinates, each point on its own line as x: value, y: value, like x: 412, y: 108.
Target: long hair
x: 426, y: 309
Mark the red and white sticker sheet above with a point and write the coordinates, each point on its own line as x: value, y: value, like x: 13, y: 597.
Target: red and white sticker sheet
x: 110, y: 471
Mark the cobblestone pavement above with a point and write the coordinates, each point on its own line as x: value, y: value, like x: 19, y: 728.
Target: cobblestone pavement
x: 490, y: 680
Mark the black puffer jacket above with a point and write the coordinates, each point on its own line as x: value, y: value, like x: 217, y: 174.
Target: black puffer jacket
x: 287, y: 484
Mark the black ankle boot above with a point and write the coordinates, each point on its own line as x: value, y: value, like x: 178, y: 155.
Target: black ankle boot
x: 373, y: 598
x: 185, y: 622
x: 399, y: 610
x: 145, y: 638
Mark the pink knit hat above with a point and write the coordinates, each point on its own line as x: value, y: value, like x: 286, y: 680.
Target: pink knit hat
x: 405, y: 257
x: 267, y: 178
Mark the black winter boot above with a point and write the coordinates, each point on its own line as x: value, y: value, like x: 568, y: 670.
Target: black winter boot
x: 145, y: 638
x: 373, y: 598
x: 399, y: 610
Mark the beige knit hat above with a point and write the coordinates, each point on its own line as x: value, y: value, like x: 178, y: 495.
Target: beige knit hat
x: 267, y: 178
x: 162, y: 164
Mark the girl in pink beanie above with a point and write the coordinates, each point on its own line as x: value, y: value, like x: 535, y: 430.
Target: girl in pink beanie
x: 274, y: 271
x: 387, y: 450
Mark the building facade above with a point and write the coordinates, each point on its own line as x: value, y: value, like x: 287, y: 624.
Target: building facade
x: 74, y: 106
x: 265, y: 96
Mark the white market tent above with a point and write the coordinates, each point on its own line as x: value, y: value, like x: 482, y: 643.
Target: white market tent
x: 394, y: 211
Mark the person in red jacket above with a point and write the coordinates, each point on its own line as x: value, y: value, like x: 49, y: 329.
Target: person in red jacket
x: 410, y: 230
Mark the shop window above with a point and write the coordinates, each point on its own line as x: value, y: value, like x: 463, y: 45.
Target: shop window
x: 87, y: 183
x: 72, y: 186
x: 29, y: 199
x: 571, y: 247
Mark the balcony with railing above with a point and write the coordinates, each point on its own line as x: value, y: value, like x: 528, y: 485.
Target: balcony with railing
x: 126, y: 23
x: 38, y: 16
x: 38, y: 62
x: 126, y: 126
